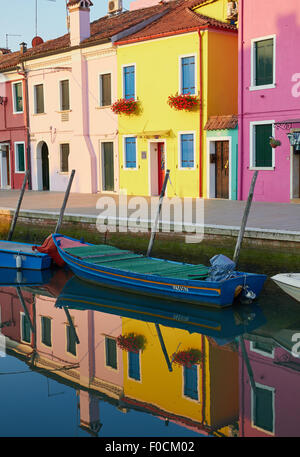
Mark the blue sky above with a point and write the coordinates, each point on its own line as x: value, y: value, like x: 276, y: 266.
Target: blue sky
x: 18, y: 18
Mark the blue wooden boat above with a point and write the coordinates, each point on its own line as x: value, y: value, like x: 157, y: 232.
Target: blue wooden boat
x: 113, y: 267
x: 22, y: 256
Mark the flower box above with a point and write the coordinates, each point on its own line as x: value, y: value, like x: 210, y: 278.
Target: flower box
x: 187, y: 358
x: 183, y: 101
x: 131, y: 342
x: 124, y: 106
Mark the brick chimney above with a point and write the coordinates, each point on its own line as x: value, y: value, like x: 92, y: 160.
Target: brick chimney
x: 79, y: 13
x: 23, y: 47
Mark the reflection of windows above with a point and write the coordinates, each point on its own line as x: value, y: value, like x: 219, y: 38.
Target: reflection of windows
x: 129, y: 82
x: 18, y: 97
x: 130, y: 152
x: 64, y: 95
x: 46, y: 331
x: 111, y: 352
x: 188, y: 75
x: 25, y: 329
x: 263, y: 62
x: 64, y: 157
x: 71, y: 340
x: 19, y: 157
x: 134, y: 365
x: 263, y: 408
x: 105, y: 89
x: 39, y: 98
x: 190, y: 377
x: 263, y: 348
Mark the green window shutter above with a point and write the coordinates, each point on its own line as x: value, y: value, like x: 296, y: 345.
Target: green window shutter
x: 26, y: 332
x: 263, y: 150
x: 264, y: 62
x: 105, y: 90
x: 111, y: 352
x: 65, y: 95
x: 46, y: 331
x: 263, y: 409
x: 71, y: 340
x: 39, y: 98
x: 20, y: 157
x: 18, y: 94
x: 64, y: 157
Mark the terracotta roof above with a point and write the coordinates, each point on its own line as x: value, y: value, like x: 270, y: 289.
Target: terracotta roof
x: 221, y: 122
x: 101, y: 29
x: 178, y: 20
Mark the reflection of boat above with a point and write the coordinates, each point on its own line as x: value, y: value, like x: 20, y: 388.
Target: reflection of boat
x: 14, y: 277
x: 222, y: 325
x: 22, y: 256
x: 113, y: 267
x: 290, y: 283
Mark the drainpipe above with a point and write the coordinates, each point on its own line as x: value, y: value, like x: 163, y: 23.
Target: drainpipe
x: 200, y: 108
x: 241, y: 100
x: 23, y: 72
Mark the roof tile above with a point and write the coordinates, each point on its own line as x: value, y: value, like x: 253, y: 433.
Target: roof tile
x: 221, y: 122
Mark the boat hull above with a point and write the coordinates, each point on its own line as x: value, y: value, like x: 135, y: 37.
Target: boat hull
x: 289, y: 283
x: 213, y: 293
x: 20, y: 255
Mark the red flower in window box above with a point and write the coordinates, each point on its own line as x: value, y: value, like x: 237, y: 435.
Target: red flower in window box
x: 187, y: 358
x: 183, y: 101
x: 131, y: 342
x: 125, y: 106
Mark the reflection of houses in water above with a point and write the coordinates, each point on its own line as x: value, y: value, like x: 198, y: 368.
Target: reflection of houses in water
x: 269, y: 389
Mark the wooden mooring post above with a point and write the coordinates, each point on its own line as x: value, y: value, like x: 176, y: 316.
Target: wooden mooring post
x: 62, y: 210
x: 14, y: 220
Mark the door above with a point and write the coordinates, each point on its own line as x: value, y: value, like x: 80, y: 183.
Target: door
x: 45, y: 166
x: 5, y: 166
x: 161, y: 165
x: 108, y: 166
x: 222, y: 169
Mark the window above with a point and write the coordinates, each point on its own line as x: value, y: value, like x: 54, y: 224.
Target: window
x: 64, y: 95
x: 187, y: 150
x: 71, y: 340
x: 190, y: 376
x: 105, y: 89
x: 263, y: 62
x: 39, y: 98
x: 25, y: 329
x: 19, y: 157
x: 111, y: 352
x: 262, y: 154
x: 130, y: 152
x: 187, y: 75
x: 129, y: 82
x: 134, y: 365
x: 263, y: 408
x: 46, y: 331
x: 64, y: 157
x: 18, y: 97
x: 264, y: 348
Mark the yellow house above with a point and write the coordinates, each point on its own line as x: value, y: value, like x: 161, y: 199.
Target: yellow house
x: 203, y: 398
x: 191, y: 49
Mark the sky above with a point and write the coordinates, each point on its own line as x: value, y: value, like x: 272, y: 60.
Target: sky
x: 18, y: 19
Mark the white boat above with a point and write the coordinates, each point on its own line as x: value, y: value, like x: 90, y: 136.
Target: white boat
x: 290, y: 283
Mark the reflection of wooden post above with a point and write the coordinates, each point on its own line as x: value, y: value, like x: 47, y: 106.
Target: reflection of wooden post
x: 153, y: 231
x: 247, y: 363
x: 244, y: 220
x: 59, y: 222
x: 71, y: 325
x: 162, y: 343
x: 14, y: 221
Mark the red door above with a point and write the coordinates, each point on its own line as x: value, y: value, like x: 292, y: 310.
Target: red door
x: 161, y: 165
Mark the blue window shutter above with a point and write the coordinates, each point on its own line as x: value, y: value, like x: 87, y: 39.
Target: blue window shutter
x: 188, y: 75
x: 191, y: 382
x: 130, y: 152
x: 187, y: 150
x: 134, y: 365
x: 129, y: 82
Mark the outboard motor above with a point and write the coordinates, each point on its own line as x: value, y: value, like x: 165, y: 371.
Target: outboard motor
x: 221, y: 268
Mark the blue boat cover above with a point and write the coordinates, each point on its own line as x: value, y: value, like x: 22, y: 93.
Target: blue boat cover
x: 221, y: 268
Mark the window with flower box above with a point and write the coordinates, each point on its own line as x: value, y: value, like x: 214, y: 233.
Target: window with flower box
x: 187, y: 71
x: 129, y: 82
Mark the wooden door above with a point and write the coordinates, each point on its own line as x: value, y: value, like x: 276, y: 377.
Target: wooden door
x: 45, y: 167
x: 161, y: 165
x: 222, y: 169
x: 108, y: 166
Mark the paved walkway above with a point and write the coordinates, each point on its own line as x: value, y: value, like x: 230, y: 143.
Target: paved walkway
x: 222, y: 214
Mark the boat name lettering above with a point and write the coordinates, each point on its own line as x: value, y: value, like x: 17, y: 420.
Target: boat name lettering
x: 181, y: 288
x: 180, y: 317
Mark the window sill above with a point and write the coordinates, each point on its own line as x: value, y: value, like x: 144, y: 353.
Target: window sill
x: 261, y: 168
x: 39, y: 114
x: 267, y: 86
x: 103, y: 107
x: 64, y: 111
x: 18, y: 112
x: 19, y: 172
x: 63, y: 172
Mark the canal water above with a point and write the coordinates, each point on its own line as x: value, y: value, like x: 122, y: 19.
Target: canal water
x: 78, y: 360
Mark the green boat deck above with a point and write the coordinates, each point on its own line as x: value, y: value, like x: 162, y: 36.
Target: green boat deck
x: 112, y: 257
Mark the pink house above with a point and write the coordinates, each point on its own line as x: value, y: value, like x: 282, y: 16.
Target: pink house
x: 269, y: 91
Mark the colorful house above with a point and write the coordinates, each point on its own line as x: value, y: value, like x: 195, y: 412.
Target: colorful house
x: 196, y: 55
x: 269, y: 98
x: 14, y: 154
